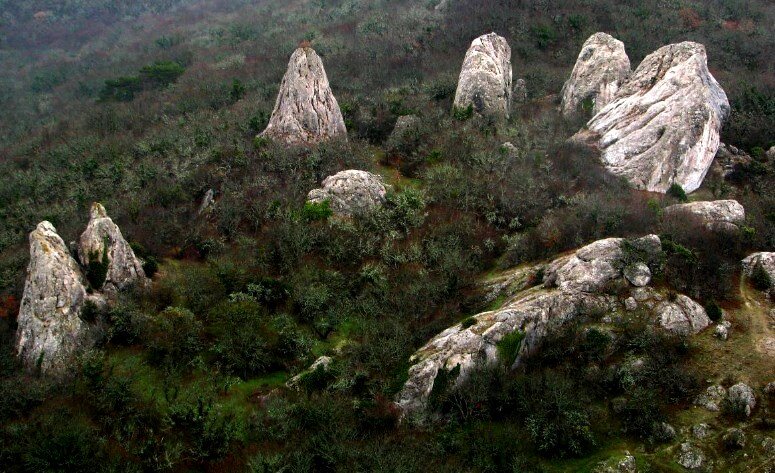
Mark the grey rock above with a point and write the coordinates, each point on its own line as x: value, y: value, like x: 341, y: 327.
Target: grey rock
x: 630, y: 304
x: 208, y: 201
x: 50, y: 331
x: 717, y: 215
x: 764, y: 258
x: 485, y: 78
x: 306, y: 110
x: 701, y: 431
x: 771, y: 153
x: 351, y: 192
x: 721, y: 331
x: 626, y: 464
x: 665, y: 432
x: 638, y: 274
x: 741, y: 398
x: 103, y: 237
x: 769, y: 389
x: 711, y: 398
x: 662, y: 127
x: 601, y: 68
x: 682, y: 316
x: 734, y: 438
x: 690, y: 457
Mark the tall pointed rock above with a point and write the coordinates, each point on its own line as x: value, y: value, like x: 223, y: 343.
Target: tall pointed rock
x: 50, y: 330
x: 103, y: 242
x: 600, y: 70
x: 485, y: 78
x: 663, y: 125
x: 306, y: 110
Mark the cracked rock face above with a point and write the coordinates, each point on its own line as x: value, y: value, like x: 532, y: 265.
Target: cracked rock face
x: 599, y: 72
x: 717, y: 215
x: 350, y: 192
x: 124, y: 268
x: 306, y: 110
x: 570, y: 290
x: 485, y: 78
x: 662, y: 126
x: 682, y: 316
x: 50, y: 330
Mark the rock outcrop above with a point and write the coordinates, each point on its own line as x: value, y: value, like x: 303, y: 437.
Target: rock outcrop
x: 717, y: 215
x: 103, y: 239
x: 306, y: 110
x: 682, y: 316
x: 741, y: 399
x: 662, y: 126
x: 485, y: 78
x: 572, y: 286
x: 601, y: 68
x: 405, y: 133
x: 765, y: 259
x: 350, y: 192
x: 50, y: 330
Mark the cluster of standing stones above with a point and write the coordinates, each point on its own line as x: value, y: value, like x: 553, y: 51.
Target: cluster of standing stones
x: 654, y: 126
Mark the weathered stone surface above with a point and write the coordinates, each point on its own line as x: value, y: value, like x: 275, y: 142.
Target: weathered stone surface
x: 717, y: 215
x: 208, y: 201
x: 601, y: 68
x: 630, y: 304
x: 350, y: 192
x: 771, y: 153
x: 727, y: 160
x: 764, y: 258
x: 519, y: 95
x: 624, y: 464
x: 662, y: 127
x: 722, y: 330
x: 306, y: 110
x: 701, y: 431
x: 485, y: 78
x: 568, y: 291
x: 50, y: 331
x: 683, y: 316
x: 101, y: 234
x: 741, y: 397
x: 690, y: 457
x: 638, y: 274
x: 711, y: 398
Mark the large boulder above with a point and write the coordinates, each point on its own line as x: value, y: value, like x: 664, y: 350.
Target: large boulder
x: 50, y: 330
x: 103, y: 240
x: 350, y: 192
x: 662, y: 126
x: 682, y: 315
x: 601, y: 68
x: 485, y: 78
x: 306, y: 110
x: 571, y: 288
x: 717, y: 215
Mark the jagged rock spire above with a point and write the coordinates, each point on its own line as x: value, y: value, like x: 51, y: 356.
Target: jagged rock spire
x: 306, y: 110
x: 485, y: 78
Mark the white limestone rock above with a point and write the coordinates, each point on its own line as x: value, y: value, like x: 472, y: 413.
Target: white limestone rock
x: 485, y: 78
x: 711, y: 398
x: 682, y: 316
x: 741, y: 397
x: 662, y: 127
x: 306, y: 111
x: 600, y: 70
x: 638, y: 274
x: 717, y: 215
x: 690, y: 457
x: 50, y: 331
x: 350, y: 192
x: 103, y: 238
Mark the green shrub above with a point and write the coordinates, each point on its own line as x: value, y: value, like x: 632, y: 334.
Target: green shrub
x: 509, y: 345
x: 463, y: 113
x: 162, y: 73
x: 469, y: 322
x: 173, y: 339
x: 243, y: 338
x: 760, y: 278
x: 714, y: 311
x: 677, y: 192
x: 122, y: 89
x: 314, y: 211
x: 97, y: 269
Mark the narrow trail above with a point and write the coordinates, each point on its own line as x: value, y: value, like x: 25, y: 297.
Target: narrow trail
x: 761, y: 320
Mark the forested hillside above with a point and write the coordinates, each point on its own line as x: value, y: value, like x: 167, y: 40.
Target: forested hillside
x: 156, y: 110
